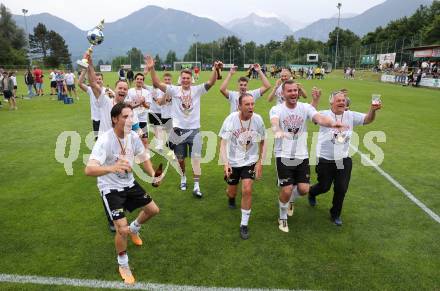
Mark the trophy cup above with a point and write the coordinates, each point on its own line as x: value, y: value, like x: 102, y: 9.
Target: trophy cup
x: 95, y: 37
x: 219, y: 69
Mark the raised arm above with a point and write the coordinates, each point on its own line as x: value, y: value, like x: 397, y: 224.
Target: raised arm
x: 225, y: 83
x: 149, y: 63
x: 316, y: 95
x: 371, y: 115
x: 213, y: 77
x: 274, y: 90
x: 81, y: 79
x: 327, y: 121
x: 266, y: 84
x: 92, y: 78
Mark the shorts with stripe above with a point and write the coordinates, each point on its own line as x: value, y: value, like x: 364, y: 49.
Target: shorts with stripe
x: 116, y: 201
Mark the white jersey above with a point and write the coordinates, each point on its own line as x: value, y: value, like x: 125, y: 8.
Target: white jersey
x: 167, y: 108
x: 332, y: 143
x: 70, y: 78
x: 137, y: 96
x: 234, y: 95
x: 293, y: 123
x: 94, y: 110
x: 242, y: 139
x: 279, y: 95
x: 14, y: 80
x: 53, y: 76
x: 154, y: 107
x: 105, y: 105
x: 186, y: 105
x: 107, y: 151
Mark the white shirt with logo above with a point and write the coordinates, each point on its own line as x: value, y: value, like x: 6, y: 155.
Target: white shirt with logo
x: 186, y: 105
x: 154, y: 107
x: 137, y: 96
x: 333, y: 144
x: 105, y: 105
x: 235, y: 95
x: 279, y: 95
x: 293, y: 123
x: 107, y: 151
x: 167, y: 108
x: 242, y: 139
x: 94, y: 109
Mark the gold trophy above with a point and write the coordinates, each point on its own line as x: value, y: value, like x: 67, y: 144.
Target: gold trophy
x: 95, y: 37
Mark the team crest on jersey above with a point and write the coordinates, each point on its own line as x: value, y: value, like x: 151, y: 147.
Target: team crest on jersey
x: 338, y: 137
x: 244, y: 137
x: 293, y: 124
x: 186, y: 104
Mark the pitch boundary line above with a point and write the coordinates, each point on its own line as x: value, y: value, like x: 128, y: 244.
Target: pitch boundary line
x: 101, y: 284
x: 408, y: 194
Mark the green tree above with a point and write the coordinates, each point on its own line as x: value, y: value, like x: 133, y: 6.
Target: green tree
x: 157, y: 62
x: 12, y: 40
x: 59, y: 52
x: 39, y: 41
x: 171, y: 57
x: 135, y: 58
x: 431, y: 34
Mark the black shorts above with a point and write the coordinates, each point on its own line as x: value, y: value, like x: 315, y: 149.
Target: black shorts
x: 292, y: 172
x: 144, y: 127
x: 129, y: 199
x: 7, y: 94
x: 71, y: 87
x: 184, y: 141
x: 246, y: 172
x: 53, y: 84
x: 155, y: 119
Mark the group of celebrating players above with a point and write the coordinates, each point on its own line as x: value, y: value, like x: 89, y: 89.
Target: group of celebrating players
x: 122, y: 116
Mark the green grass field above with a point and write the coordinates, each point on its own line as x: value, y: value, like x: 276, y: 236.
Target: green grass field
x: 53, y: 224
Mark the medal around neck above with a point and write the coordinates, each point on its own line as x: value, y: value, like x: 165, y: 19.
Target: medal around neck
x: 95, y: 37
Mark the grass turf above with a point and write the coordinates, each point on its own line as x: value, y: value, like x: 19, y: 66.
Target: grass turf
x: 53, y: 224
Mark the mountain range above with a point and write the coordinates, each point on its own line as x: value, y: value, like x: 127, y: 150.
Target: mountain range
x: 157, y: 30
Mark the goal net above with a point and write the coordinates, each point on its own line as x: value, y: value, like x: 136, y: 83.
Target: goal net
x: 178, y: 66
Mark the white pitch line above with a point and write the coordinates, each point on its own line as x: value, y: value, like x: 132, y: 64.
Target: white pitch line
x: 101, y: 284
x: 398, y: 186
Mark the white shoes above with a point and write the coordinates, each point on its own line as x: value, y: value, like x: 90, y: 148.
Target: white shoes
x: 282, y: 225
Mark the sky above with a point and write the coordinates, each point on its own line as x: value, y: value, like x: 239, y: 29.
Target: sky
x: 85, y: 14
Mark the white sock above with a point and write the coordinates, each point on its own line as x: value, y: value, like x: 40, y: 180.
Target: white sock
x: 123, y: 260
x: 283, y: 209
x: 183, y: 179
x: 135, y: 226
x: 245, y: 216
x: 196, y: 184
x: 295, y: 194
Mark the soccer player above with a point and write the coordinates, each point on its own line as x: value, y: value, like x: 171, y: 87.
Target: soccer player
x: 94, y: 109
x: 111, y: 162
x: 140, y: 99
x: 277, y: 90
x: 288, y: 121
x: 334, y: 164
x: 232, y: 96
x: 242, y: 141
x: 164, y: 101
x: 103, y: 100
x: 186, y: 118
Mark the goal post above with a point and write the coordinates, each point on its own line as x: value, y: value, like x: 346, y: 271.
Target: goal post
x: 178, y: 66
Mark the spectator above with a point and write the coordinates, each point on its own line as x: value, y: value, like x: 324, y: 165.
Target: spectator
x: 29, y: 80
x: 38, y: 76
